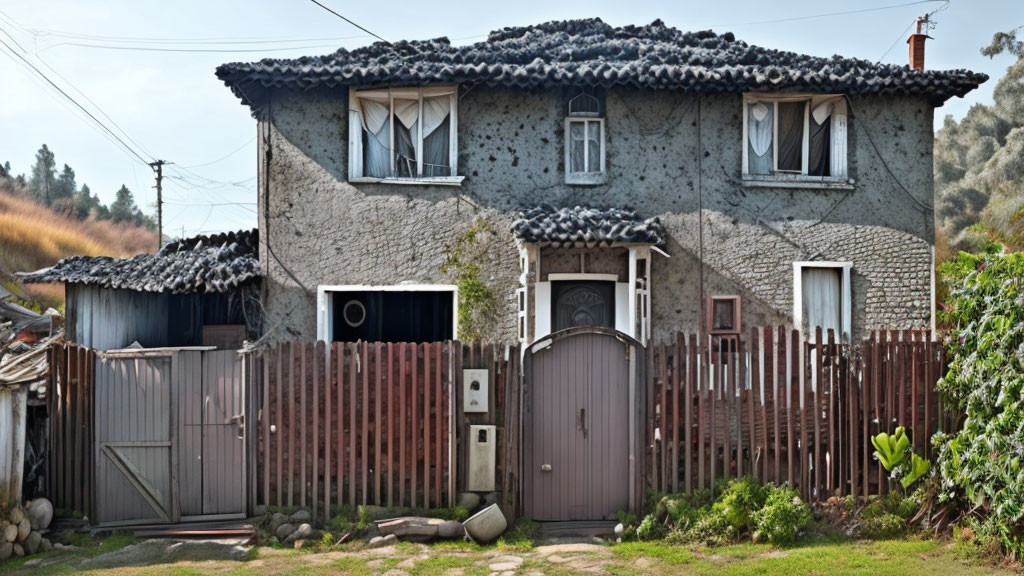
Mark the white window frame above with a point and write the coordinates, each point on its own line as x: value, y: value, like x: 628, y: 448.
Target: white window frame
x: 355, y: 135
x: 325, y: 304
x: 846, y: 305
x: 791, y: 178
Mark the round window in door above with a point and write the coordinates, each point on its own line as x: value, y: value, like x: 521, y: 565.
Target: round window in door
x: 582, y: 303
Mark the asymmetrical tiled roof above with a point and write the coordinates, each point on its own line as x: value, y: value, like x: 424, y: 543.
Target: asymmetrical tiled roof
x: 579, y: 226
x: 590, y: 52
x: 215, y: 263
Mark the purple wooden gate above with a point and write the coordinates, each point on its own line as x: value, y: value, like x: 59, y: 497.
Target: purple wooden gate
x: 581, y: 419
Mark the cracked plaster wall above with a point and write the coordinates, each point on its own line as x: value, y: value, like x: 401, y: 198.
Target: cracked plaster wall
x: 325, y: 231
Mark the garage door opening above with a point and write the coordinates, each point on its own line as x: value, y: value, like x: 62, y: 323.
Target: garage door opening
x: 387, y: 314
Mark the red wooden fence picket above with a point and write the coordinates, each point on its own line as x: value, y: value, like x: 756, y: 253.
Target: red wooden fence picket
x: 788, y: 408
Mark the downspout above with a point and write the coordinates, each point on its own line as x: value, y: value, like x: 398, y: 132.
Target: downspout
x: 700, y: 222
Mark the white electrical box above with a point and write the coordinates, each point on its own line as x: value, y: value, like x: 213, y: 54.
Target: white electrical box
x: 483, y: 442
x: 474, y: 392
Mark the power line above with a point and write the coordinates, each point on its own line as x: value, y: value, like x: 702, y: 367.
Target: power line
x: 829, y: 14
x: 203, y: 50
x: 907, y: 29
x: 350, y: 22
x: 225, y: 157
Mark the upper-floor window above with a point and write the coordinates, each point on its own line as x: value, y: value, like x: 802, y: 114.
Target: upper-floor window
x: 405, y: 134
x: 584, y: 140
x: 794, y: 135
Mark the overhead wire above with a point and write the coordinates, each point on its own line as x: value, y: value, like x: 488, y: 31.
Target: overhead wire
x: 350, y: 21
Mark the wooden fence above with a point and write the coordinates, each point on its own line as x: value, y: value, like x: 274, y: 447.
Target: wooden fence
x: 69, y: 398
x: 788, y: 409
x: 368, y: 423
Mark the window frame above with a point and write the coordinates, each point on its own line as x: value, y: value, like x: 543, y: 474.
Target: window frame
x: 792, y: 178
x: 586, y: 177
x: 355, y: 134
x: 846, y: 306
x: 737, y: 314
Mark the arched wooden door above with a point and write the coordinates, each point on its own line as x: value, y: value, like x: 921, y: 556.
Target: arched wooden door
x: 581, y: 399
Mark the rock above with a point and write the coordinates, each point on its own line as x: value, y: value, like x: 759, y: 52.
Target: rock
x: 303, y: 532
x: 276, y: 520
x: 45, y: 545
x: 16, y: 516
x: 24, y: 528
x: 152, y: 552
x: 10, y: 533
x: 284, y: 530
x: 372, y: 530
x: 32, y: 542
x: 619, y: 529
x: 490, y: 498
x: 260, y: 510
x: 451, y: 530
x: 300, y: 517
x: 6, y: 549
x: 468, y: 500
x: 40, y: 514
x: 378, y: 541
x: 18, y: 550
x: 33, y: 563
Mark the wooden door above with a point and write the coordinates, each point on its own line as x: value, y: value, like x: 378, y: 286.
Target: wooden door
x: 133, y: 441
x: 578, y: 429
x: 223, y: 434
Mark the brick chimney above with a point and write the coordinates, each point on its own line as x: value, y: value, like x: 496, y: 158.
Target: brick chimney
x: 916, y: 42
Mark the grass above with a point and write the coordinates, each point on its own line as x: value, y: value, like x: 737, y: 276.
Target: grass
x: 819, y: 554
x: 34, y: 237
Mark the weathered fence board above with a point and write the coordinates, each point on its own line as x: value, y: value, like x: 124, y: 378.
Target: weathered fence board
x: 786, y: 407
x: 70, y: 407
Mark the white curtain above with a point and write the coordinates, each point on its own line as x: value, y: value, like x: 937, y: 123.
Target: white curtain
x: 436, y: 135
x: 576, y: 137
x: 759, y: 132
x: 822, y: 299
x: 594, y: 147
x: 376, y: 150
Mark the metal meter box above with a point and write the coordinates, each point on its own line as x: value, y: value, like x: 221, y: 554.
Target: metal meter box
x: 474, y: 392
x: 483, y: 441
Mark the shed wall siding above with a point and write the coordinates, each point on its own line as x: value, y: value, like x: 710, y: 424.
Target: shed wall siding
x: 326, y: 231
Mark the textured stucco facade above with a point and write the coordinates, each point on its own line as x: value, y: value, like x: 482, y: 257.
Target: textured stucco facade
x: 672, y: 155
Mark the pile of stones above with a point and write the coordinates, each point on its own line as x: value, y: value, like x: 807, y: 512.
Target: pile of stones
x: 294, y: 529
x: 22, y: 528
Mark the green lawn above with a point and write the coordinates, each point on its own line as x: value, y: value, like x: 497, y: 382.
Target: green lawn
x: 823, y: 555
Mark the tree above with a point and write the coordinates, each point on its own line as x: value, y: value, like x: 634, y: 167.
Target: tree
x: 979, y: 163
x: 123, y: 208
x: 86, y: 203
x: 65, y: 187
x: 44, y: 176
x: 5, y: 170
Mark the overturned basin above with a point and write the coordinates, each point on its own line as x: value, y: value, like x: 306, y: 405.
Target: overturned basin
x: 486, y: 525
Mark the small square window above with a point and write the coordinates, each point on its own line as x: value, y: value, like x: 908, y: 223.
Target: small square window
x: 723, y: 315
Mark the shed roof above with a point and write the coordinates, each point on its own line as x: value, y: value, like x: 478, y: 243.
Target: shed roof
x: 592, y: 53
x: 214, y: 263
x: 581, y: 226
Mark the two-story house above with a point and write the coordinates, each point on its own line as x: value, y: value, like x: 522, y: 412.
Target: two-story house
x: 639, y: 178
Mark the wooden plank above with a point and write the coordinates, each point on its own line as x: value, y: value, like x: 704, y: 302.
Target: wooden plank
x: 427, y: 385
x: 691, y: 376
x: 303, y: 424
x: 716, y: 379
x: 438, y: 421
x: 815, y: 412
x: 663, y: 416
x: 364, y: 459
x: 753, y: 408
x: 402, y: 374
x: 329, y: 380
x: 676, y: 382
x: 742, y: 395
x: 929, y: 383
x: 852, y: 376
x: 700, y: 383
x: 390, y: 387
x: 353, y: 427
x: 414, y: 424
x: 291, y: 427
x: 318, y: 382
x: 339, y: 415
x: 377, y: 423
x: 795, y: 374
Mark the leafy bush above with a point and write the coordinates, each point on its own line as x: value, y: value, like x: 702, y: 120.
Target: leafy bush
x: 741, y: 501
x: 650, y: 528
x: 883, y: 526
x: 982, y: 461
x: 713, y: 528
x: 895, y: 454
x: 782, y: 517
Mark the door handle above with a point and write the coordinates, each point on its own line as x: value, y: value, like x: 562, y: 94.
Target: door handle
x: 581, y: 421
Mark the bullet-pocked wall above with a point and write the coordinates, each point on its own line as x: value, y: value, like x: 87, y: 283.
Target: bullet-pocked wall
x: 668, y: 155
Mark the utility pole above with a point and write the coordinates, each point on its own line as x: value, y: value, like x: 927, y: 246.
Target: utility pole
x: 158, y: 167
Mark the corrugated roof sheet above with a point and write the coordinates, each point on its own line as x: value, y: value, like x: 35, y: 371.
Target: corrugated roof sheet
x: 590, y: 52
x: 215, y: 263
x: 581, y: 226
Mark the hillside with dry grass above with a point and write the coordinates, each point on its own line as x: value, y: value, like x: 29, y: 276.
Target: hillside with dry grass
x: 33, y: 237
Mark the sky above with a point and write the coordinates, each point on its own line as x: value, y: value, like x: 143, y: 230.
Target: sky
x: 146, y: 70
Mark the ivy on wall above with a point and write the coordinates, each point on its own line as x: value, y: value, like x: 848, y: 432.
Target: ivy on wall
x: 478, y: 303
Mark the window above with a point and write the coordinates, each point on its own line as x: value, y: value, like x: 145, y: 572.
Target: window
x: 821, y: 297
x: 723, y: 315
x: 584, y: 141
x: 403, y: 134
x: 403, y: 313
x: 799, y: 136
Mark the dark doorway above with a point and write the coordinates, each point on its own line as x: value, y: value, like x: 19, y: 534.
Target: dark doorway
x: 384, y: 316
x: 582, y: 303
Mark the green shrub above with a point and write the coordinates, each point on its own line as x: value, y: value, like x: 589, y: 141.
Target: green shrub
x: 650, y: 528
x: 982, y: 461
x: 712, y: 528
x: 740, y: 501
x: 783, y: 516
x: 883, y: 526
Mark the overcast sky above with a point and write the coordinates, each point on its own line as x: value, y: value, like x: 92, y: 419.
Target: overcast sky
x: 148, y: 66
